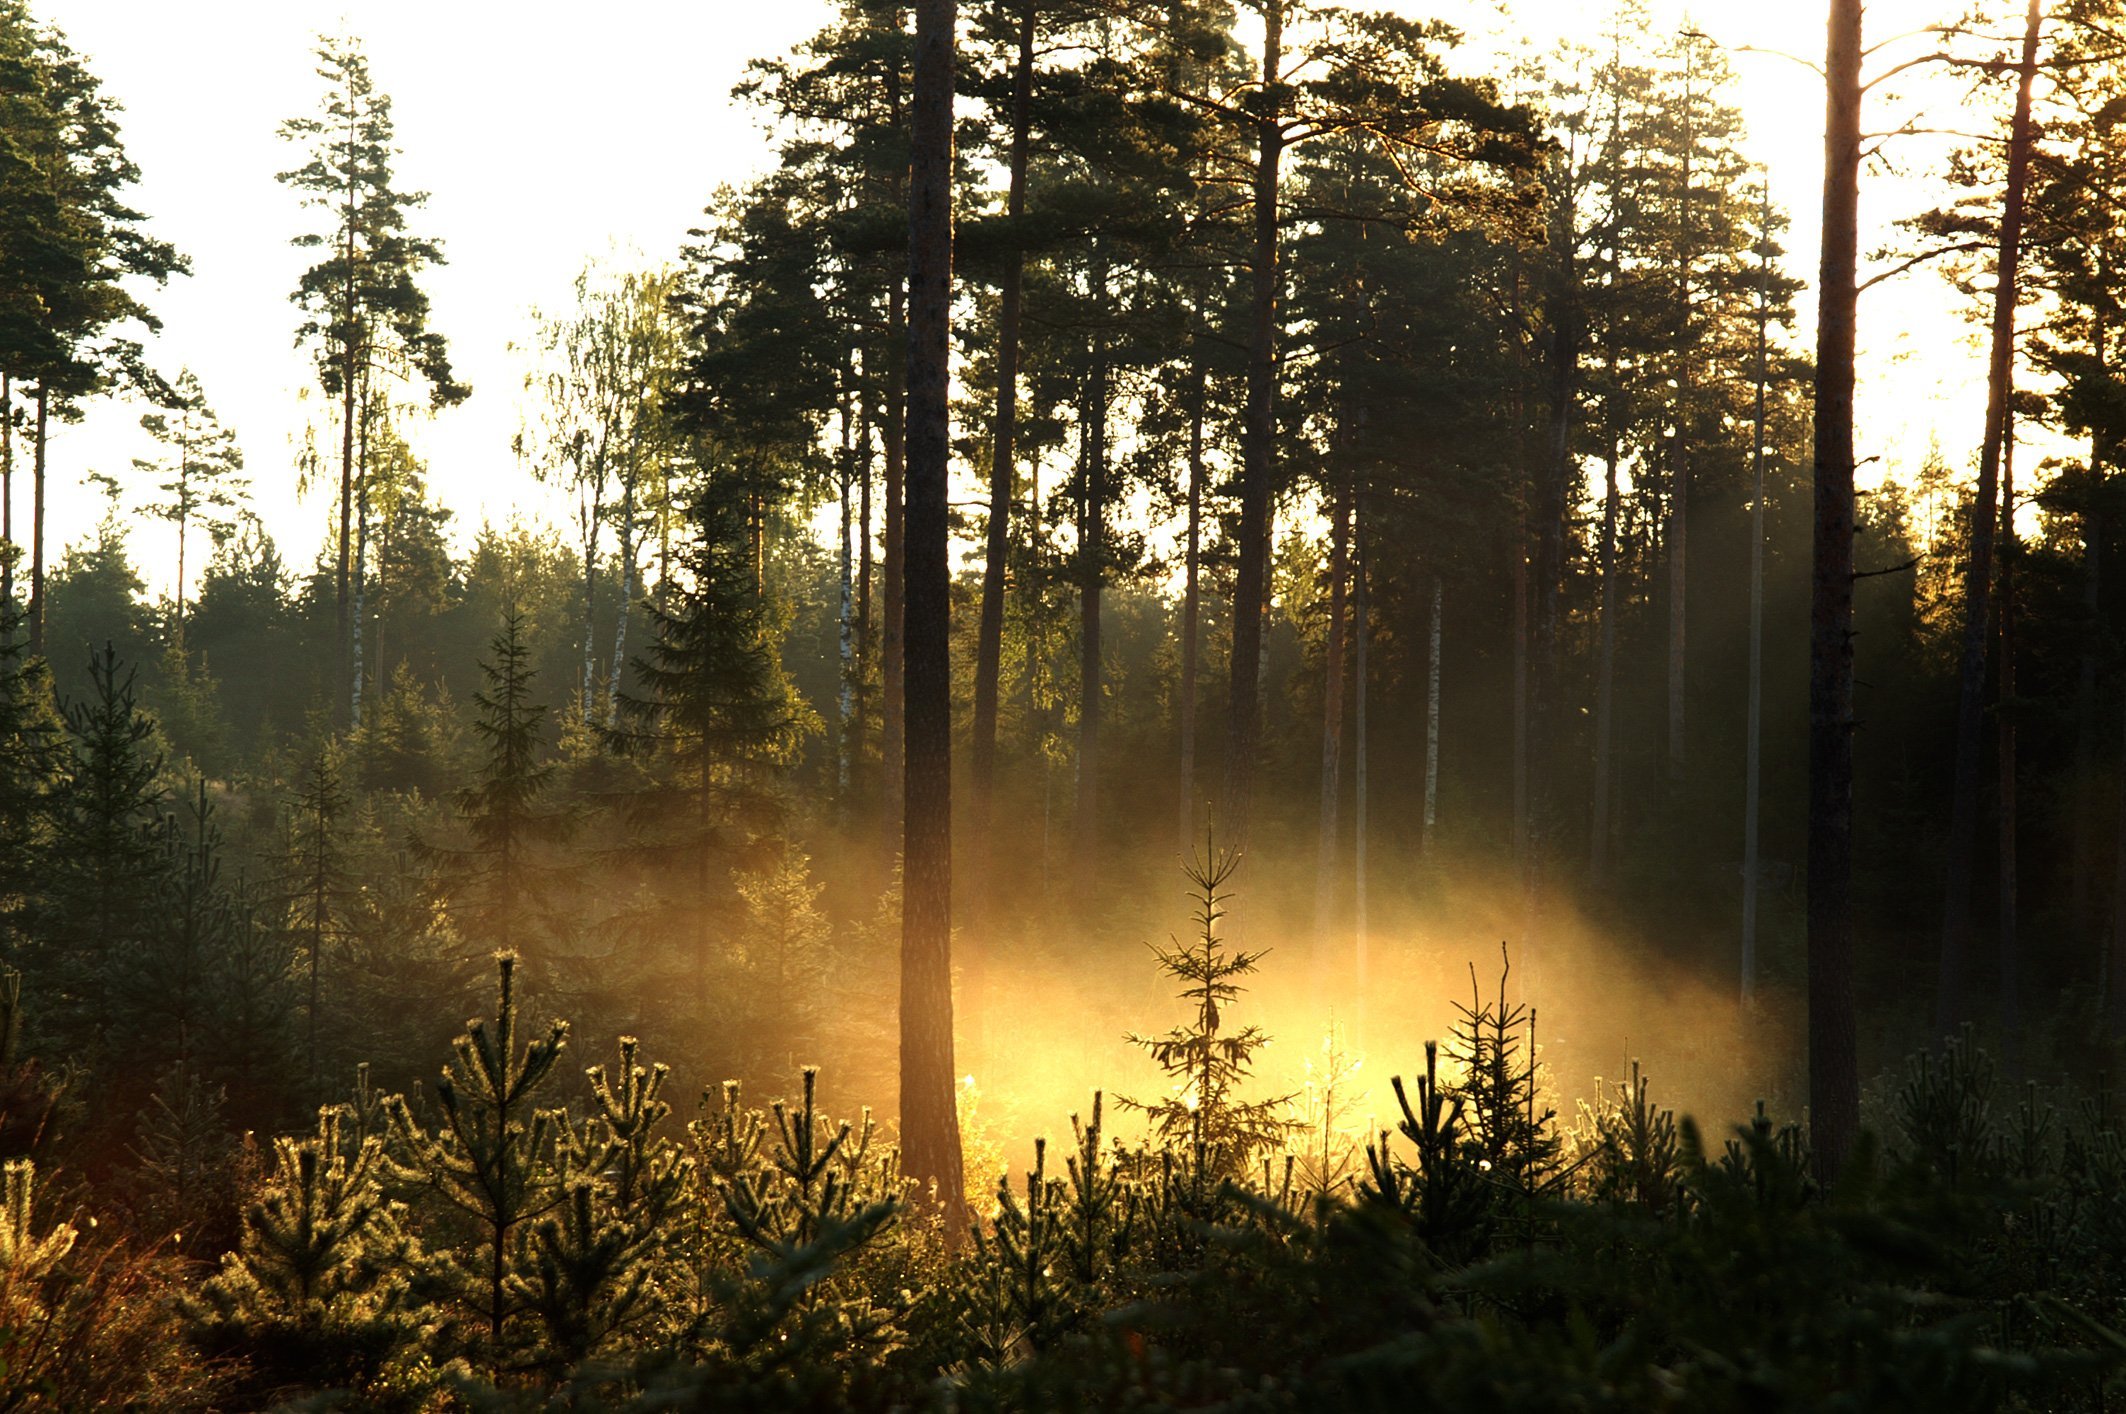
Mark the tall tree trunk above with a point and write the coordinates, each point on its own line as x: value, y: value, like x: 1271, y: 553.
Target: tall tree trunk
x: 7, y: 492
x: 1092, y: 573
x: 1978, y: 576
x: 1191, y: 597
x: 1361, y: 922
x: 1258, y: 449
x: 1523, y: 865
x: 626, y: 605
x: 845, y: 628
x: 343, y: 623
x: 1432, y: 720
x: 930, y: 1131
x: 1605, y: 664
x: 866, y: 652
x: 37, y: 467
x: 892, y: 711
x: 1834, y: 1067
x: 361, y: 587
x: 1752, y: 750
x: 2010, y: 969
x: 1329, y: 834
x: 593, y: 513
x: 1686, y: 429
x: 989, y: 638
x: 2085, y: 697
x: 2115, y: 964
x: 362, y: 551
x: 1546, y: 709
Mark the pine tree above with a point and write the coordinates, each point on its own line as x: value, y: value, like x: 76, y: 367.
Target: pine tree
x: 317, y: 1292
x: 203, y: 486
x: 363, y: 311
x: 491, y: 1156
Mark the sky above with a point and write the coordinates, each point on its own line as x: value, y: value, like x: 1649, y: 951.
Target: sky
x: 571, y: 133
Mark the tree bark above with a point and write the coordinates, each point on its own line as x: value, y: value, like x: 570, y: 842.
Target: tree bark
x: 1191, y: 599
x: 1686, y: 408
x: 1258, y: 451
x: 892, y: 708
x: 1432, y: 720
x: 930, y: 1132
x: 1361, y: 923
x: 1753, y: 764
x: 627, y: 584
x: 2009, y: 972
x: 7, y: 491
x: 1978, y: 576
x: 1092, y: 573
x: 989, y: 639
x: 1605, y: 665
x: 845, y: 628
x: 1329, y: 834
x: 37, y: 467
x: 1834, y: 1067
x: 865, y: 649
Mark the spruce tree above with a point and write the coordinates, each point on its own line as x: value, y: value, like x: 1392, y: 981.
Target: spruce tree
x: 108, y: 854
x: 715, y: 715
x: 1207, y: 1061
x: 497, y: 878
x: 314, y: 883
x: 32, y: 759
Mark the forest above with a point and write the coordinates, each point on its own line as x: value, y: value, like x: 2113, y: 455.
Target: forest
x: 1221, y: 709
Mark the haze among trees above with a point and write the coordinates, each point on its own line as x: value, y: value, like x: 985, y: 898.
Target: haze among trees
x: 1225, y: 716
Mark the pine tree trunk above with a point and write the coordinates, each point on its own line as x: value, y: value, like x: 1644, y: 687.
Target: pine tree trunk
x: 1949, y: 1009
x: 1523, y: 865
x: 1605, y: 666
x: 845, y: 628
x: 361, y: 598
x: 1092, y: 571
x: 2080, y: 907
x: 1361, y: 924
x: 1686, y: 429
x: 989, y: 644
x: 1329, y: 834
x: 2009, y: 972
x: 361, y: 564
x: 37, y: 466
x: 2085, y: 698
x: 343, y: 636
x: 7, y: 491
x: 1432, y: 720
x: 2115, y: 969
x: 1834, y: 1073
x: 1191, y: 599
x: 929, y: 1122
x: 866, y: 652
x: 1258, y: 451
x: 1753, y: 753
x: 892, y: 727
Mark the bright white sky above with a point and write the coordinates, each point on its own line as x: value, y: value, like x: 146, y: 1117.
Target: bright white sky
x: 561, y: 132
